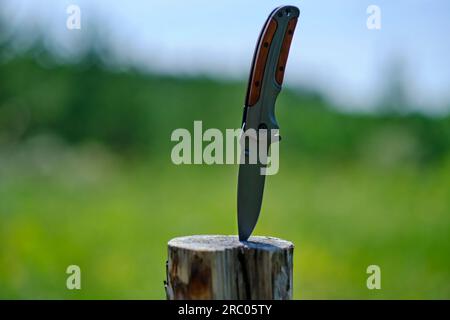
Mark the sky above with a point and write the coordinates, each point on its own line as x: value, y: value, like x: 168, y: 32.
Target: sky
x: 333, y: 51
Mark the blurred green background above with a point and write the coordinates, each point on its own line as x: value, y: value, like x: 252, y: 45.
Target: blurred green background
x: 86, y: 178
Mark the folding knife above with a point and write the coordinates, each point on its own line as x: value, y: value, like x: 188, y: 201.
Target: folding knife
x: 266, y: 78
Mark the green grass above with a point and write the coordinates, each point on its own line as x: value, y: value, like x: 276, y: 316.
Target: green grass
x: 113, y: 219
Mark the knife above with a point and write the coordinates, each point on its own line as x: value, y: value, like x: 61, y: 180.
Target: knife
x: 266, y: 78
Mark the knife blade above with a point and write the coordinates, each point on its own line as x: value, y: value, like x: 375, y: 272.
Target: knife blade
x: 264, y: 85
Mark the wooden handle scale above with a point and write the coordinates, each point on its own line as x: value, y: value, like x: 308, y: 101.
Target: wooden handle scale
x: 271, y: 52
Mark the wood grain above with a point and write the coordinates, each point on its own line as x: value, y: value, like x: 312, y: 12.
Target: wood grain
x: 260, y: 62
x: 222, y: 267
x: 284, y: 53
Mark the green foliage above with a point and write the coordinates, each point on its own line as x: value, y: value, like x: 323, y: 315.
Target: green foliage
x: 134, y: 113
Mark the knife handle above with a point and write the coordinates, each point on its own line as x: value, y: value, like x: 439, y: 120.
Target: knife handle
x: 259, y: 61
x: 272, y: 47
x: 284, y: 52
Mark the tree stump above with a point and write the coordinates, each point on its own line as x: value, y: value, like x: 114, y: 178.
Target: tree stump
x: 222, y: 267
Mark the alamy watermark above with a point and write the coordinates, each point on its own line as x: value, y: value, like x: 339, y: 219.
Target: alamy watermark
x: 374, y: 280
x: 236, y: 146
x: 73, y: 281
x: 73, y: 21
x: 373, y: 21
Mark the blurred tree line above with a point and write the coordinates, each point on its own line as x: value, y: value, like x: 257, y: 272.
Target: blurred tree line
x: 134, y: 113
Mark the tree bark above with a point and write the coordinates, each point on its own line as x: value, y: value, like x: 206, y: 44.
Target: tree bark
x: 222, y: 267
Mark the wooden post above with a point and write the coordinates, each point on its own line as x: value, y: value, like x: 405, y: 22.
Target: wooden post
x: 222, y: 267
